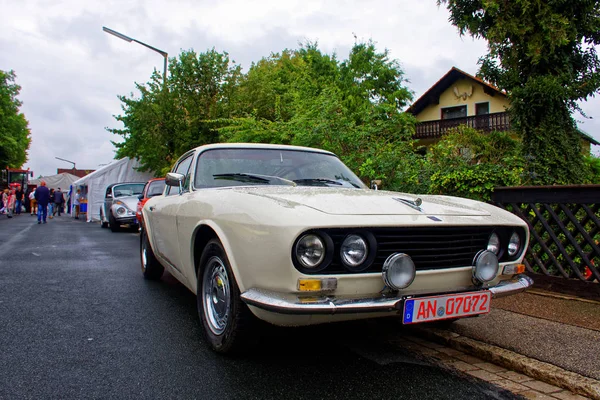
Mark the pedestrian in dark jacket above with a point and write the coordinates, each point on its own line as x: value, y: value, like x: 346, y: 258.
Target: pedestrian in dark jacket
x: 58, y: 202
x: 42, y: 195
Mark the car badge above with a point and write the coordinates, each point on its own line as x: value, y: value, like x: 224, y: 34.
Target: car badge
x: 415, y: 204
x: 431, y: 217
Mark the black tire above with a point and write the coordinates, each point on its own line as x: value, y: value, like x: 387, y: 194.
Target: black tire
x: 151, y: 268
x: 231, y: 332
x: 114, y: 225
x: 103, y: 224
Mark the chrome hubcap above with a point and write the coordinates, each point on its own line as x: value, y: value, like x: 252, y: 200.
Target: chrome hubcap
x: 144, y: 257
x: 216, y: 295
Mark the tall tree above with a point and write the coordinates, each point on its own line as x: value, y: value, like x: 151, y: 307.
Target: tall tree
x: 543, y: 54
x: 161, y: 123
x: 15, y: 136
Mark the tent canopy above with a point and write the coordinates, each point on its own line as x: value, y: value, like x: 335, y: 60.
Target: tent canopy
x: 63, y: 181
x: 123, y: 170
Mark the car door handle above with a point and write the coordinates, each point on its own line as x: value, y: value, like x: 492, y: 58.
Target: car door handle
x: 151, y: 208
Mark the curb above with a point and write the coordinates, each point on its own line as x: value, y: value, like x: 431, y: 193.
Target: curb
x: 533, y: 368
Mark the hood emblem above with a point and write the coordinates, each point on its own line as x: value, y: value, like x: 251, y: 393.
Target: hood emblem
x: 414, y: 204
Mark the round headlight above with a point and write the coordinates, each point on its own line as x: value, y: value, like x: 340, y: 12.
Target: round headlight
x: 399, y: 271
x: 494, y: 243
x: 514, y: 244
x: 485, y: 266
x: 354, y: 251
x: 121, y: 210
x: 310, y: 251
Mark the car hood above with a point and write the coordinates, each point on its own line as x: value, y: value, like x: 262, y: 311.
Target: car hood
x: 129, y: 201
x: 338, y: 201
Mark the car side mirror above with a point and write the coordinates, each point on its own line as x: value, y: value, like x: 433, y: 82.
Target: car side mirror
x: 175, y: 179
x: 375, y: 184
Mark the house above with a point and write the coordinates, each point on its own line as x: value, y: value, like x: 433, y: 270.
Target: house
x: 459, y: 98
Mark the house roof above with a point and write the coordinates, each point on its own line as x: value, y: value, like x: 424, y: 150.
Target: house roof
x: 587, y: 137
x: 432, y: 96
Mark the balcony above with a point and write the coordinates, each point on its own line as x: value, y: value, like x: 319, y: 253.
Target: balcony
x: 487, y: 123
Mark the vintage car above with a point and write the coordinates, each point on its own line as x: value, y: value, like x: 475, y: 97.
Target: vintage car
x: 291, y: 236
x: 118, y: 208
x: 154, y: 187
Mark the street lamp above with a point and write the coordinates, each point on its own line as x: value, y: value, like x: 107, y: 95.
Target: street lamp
x: 62, y: 159
x: 128, y: 39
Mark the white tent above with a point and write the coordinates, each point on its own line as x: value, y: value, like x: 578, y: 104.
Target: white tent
x: 62, y: 181
x: 94, y: 184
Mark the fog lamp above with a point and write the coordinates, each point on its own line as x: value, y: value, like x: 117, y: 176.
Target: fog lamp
x: 485, y: 266
x: 399, y: 271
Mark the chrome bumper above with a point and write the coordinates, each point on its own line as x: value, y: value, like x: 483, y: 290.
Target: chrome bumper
x: 323, y: 304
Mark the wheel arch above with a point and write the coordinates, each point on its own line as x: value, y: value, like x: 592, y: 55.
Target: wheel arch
x: 204, y: 232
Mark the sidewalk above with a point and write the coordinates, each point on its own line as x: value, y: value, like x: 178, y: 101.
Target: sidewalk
x: 548, y: 336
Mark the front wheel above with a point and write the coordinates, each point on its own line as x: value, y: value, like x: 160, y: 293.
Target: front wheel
x: 151, y: 268
x: 225, y: 318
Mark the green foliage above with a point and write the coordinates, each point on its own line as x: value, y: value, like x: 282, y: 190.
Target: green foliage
x: 15, y: 136
x: 469, y: 163
x: 543, y: 54
x: 593, y: 165
x: 163, y: 122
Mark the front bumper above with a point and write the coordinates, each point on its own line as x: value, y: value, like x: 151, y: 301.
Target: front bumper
x: 278, y: 303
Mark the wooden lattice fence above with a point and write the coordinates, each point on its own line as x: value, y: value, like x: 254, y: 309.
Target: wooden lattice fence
x: 564, y: 222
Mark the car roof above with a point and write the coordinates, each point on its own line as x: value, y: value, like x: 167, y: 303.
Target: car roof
x: 260, y: 146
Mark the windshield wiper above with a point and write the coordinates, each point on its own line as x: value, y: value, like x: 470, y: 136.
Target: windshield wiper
x: 317, y: 180
x: 253, y: 178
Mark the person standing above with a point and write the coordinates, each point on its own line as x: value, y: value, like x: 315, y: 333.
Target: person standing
x: 51, y: 203
x: 58, y: 202
x: 12, y: 199
x: 18, y: 200
x: 76, y: 203
x: 42, y: 196
x: 32, y: 203
x: 4, y: 209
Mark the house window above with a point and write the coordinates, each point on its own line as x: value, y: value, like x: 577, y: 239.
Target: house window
x: 454, y: 112
x: 482, y: 108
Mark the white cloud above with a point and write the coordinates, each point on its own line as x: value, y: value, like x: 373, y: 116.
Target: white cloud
x: 71, y: 71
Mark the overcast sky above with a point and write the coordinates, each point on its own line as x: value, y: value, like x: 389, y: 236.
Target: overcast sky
x: 71, y: 71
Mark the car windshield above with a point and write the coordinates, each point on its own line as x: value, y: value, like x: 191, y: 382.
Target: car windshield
x: 156, y: 188
x: 243, y: 167
x: 128, y: 189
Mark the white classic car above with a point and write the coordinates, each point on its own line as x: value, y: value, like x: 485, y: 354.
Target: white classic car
x: 291, y: 236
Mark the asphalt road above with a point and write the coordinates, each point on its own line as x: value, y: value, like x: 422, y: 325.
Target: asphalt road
x: 77, y: 320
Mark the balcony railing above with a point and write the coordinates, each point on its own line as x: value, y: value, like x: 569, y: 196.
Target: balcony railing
x: 487, y: 123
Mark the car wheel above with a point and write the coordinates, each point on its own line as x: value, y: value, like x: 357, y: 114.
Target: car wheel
x: 112, y: 222
x: 225, y: 318
x: 103, y: 224
x: 151, y: 268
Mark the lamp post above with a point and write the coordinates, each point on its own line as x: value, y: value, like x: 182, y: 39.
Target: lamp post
x: 62, y: 159
x: 129, y: 39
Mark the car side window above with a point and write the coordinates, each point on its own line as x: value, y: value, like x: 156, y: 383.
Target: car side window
x: 182, y: 168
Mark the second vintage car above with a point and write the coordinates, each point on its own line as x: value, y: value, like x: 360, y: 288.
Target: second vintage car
x: 154, y: 187
x: 291, y: 236
x: 120, y: 202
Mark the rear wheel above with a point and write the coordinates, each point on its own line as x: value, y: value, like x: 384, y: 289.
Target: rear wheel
x: 151, y: 268
x: 225, y: 318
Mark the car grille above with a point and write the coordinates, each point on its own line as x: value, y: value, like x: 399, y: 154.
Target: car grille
x: 429, y: 248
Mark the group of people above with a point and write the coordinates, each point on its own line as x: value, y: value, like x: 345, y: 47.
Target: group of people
x: 42, y: 201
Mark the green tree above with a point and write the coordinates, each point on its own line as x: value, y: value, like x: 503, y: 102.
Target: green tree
x: 15, y: 136
x: 470, y: 163
x: 543, y: 54
x: 162, y: 123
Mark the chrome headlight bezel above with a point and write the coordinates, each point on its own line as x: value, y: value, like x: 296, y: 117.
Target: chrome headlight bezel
x: 326, y: 244
x: 513, y: 247
x: 485, y: 267
x: 399, y: 263
x: 494, y: 244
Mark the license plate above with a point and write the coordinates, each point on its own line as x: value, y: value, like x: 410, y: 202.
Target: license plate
x: 435, y: 308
